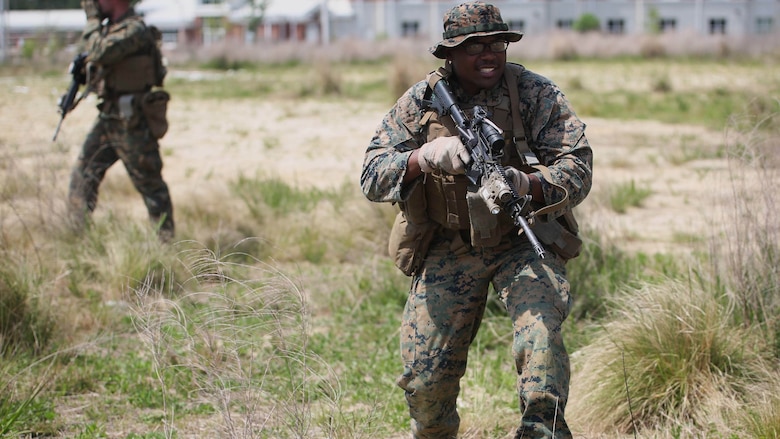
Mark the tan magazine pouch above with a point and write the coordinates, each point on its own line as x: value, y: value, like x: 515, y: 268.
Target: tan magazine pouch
x: 560, y: 234
x: 155, y: 108
x: 409, y: 243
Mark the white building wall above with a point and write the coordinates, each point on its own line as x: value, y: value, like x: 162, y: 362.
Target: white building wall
x: 386, y: 17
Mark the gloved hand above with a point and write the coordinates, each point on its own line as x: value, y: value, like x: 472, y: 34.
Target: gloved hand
x: 519, y: 180
x: 447, y: 154
x: 91, y: 8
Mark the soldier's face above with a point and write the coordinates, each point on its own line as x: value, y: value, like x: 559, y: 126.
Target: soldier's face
x: 478, y: 63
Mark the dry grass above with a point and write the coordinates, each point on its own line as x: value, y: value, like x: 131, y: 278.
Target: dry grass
x: 553, y: 45
x: 191, y: 300
x: 671, y: 359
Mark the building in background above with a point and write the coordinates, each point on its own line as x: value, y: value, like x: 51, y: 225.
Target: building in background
x: 204, y: 22
x: 423, y: 18
x: 23, y: 29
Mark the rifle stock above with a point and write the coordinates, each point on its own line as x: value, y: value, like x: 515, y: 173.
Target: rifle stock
x: 485, y: 142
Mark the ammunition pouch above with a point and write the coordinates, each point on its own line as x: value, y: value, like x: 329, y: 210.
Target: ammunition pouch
x: 560, y: 235
x: 154, y: 106
x: 409, y: 243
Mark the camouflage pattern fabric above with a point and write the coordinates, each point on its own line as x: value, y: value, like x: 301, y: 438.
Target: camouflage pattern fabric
x: 127, y: 36
x: 110, y: 140
x: 445, y: 305
x: 91, y: 9
x: 470, y: 20
x: 114, y: 138
x: 442, y: 316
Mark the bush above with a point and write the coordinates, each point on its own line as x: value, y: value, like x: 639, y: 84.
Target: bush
x: 24, y: 325
x: 587, y: 23
x: 671, y: 358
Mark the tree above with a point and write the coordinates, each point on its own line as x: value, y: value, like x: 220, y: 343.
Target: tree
x: 587, y: 23
x: 258, y: 13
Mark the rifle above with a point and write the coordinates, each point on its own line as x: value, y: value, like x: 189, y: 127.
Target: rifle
x: 68, y: 101
x: 485, y: 142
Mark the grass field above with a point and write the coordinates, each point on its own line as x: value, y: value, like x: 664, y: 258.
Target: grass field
x: 275, y: 312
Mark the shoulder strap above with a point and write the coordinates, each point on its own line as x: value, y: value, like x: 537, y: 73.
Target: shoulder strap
x: 518, y: 130
x: 432, y: 78
x: 520, y: 141
x: 436, y: 76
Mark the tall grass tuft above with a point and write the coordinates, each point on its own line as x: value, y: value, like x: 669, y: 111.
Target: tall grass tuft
x: 115, y: 254
x: 762, y: 420
x: 243, y: 338
x: 404, y: 73
x: 672, y: 358
x: 328, y: 79
x: 311, y: 224
x: 750, y: 247
x: 603, y: 269
x: 26, y: 324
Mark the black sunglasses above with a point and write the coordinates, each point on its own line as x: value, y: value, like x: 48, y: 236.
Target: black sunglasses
x: 477, y: 48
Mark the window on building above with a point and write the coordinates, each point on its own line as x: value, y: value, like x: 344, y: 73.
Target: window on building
x: 616, y: 26
x: 170, y: 37
x: 764, y: 25
x: 213, y: 30
x: 718, y: 26
x: 517, y: 25
x: 565, y: 23
x: 211, y: 2
x: 667, y: 25
x: 410, y: 28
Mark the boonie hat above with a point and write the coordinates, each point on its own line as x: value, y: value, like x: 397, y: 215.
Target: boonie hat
x: 473, y: 19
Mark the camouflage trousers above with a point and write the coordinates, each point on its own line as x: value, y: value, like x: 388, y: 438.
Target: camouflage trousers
x: 110, y: 140
x: 443, y: 313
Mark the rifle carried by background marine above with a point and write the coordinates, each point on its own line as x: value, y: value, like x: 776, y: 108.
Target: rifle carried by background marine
x: 485, y: 142
x: 68, y: 101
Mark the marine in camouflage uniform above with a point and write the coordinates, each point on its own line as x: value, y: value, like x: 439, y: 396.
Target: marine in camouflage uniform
x: 413, y: 161
x: 125, y: 64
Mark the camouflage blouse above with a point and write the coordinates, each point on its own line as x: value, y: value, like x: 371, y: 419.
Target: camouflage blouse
x: 112, y: 43
x: 555, y: 134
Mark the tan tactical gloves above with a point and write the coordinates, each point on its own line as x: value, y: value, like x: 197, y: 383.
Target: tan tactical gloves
x: 447, y: 154
x: 519, y: 180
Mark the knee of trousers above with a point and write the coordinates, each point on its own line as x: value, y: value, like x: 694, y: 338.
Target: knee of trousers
x: 537, y: 333
x: 539, y: 351
x: 429, y: 388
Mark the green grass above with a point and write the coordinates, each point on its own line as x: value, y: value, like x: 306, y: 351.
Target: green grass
x: 668, y: 90
x: 603, y: 270
x: 26, y: 324
x: 627, y: 195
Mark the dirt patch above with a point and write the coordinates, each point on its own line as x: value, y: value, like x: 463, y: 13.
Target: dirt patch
x: 321, y: 143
